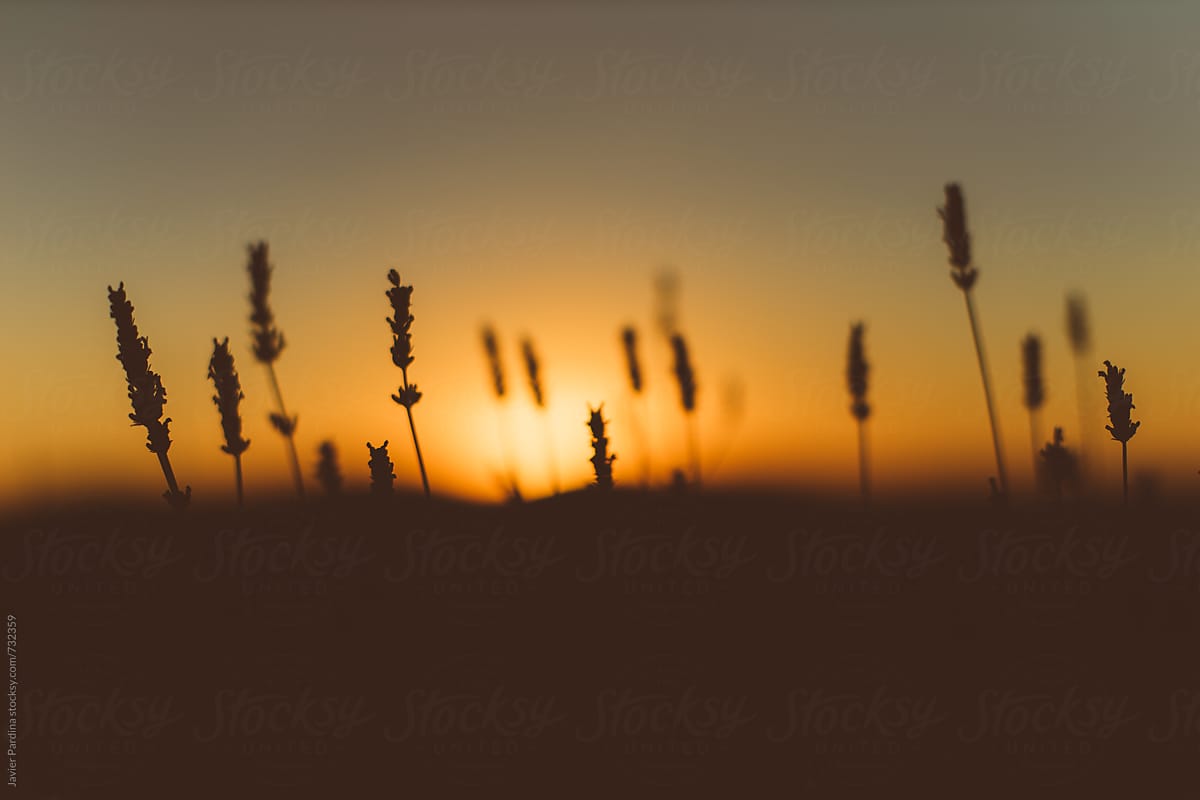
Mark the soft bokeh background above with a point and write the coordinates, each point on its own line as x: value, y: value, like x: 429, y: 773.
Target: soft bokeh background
x: 534, y: 166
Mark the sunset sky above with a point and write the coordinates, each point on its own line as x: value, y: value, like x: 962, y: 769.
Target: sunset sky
x: 533, y: 167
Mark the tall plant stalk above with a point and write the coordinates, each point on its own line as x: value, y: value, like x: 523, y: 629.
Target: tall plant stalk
x: 401, y: 320
x: 864, y: 480
x: 1035, y: 442
x: 286, y: 425
x: 857, y: 371
x: 268, y: 344
x: 1035, y: 396
x: 686, y: 378
x: 223, y: 374
x: 984, y: 374
x: 237, y: 477
x: 633, y: 367
x: 533, y: 371
x: 1122, y: 429
x: 964, y: 274
x: 491, y: 349
x: 146, y: 392
x: 693, y: 447
x: 1125, y: 472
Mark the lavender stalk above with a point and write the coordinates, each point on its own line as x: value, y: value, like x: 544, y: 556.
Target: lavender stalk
x: 601, y: 460
x: 146, y: 392
x: 329, y: 475
x: 633, y: 366
x: 401, y: 320
x: 958, y: 241
x: 229, y: 396
x: 268, y: 344
x: 1035, y: 395
x: 857, y: 370
x: 533, y: 371
x: 491, y: 348
x: 382, y: 476
x: 686, y: 378
x: 1060, y: 463
x: 1120, y: 404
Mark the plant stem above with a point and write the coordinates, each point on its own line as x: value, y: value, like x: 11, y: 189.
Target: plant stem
x: 1125, y: 472
x: 506, y: 447
x: 863, y: 481
x: 987, y: 392
x: 693, y: 447
x: 237, y: 473
x: 416, y: 445
x: 291, y: 436
x: 1035, y: 440
x: 165, y: 463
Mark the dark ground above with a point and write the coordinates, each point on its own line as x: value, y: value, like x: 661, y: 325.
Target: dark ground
x: 634, y: 645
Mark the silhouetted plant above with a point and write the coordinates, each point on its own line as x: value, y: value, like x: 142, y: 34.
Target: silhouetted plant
x: 857, y: 370
x: 491, y: 348
x: 1035, y: 393
x: 686, y: 379
x: 629, y: 343
x: 146, y: 392
x: 1079, y: 330
x: 1079, y: 334
x: 227, y: 399
x: 382, y: 476
x: 533, y: 372
x: 601, y: 460
x: 401, y: 320
x: 666, y: 302
x: 684, y: 374
x: 1120, y: 404
x: 964, y: 274
x: 328, y: 473
x: 268, y: 344
x: 1060, y: 464
x: 998, y: 497
x: 678, y: 481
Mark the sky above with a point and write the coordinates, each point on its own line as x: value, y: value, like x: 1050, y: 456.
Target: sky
x: 533, y: 167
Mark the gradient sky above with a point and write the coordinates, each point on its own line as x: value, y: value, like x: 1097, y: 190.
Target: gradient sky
x: 533, y: 166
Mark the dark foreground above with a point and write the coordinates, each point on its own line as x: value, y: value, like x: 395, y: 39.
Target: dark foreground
x: 639, y: 645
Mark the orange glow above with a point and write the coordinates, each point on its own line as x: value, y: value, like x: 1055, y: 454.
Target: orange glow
x: 793, y: 203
